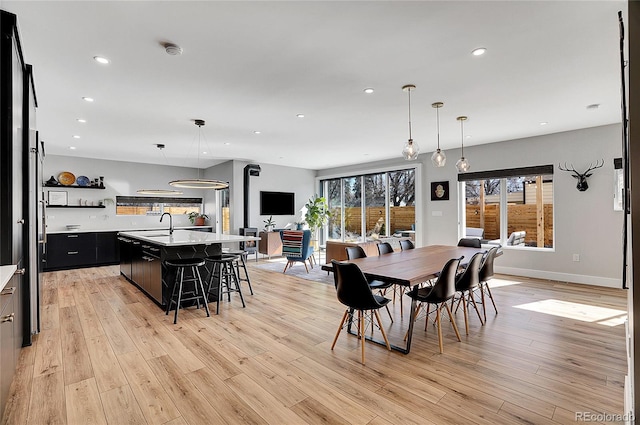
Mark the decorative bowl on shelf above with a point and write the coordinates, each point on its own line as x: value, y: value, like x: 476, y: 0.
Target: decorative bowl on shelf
x: 66, y: 178
x: 83, y: 181
x: 73, y: 226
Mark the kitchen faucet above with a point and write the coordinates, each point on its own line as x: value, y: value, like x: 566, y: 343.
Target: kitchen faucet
x: 170, y: 222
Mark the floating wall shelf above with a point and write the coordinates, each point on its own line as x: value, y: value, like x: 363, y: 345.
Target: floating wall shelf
x: 75, y: 206
x: 75, y: 186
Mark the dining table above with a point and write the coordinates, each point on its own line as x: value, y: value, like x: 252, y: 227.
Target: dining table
x: 410, y: 268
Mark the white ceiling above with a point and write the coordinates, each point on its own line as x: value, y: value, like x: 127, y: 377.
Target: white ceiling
x: 252, y: 66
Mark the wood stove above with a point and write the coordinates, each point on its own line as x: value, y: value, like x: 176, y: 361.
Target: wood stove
x: 250, y: 247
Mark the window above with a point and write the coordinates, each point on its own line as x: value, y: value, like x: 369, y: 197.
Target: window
x: 148, y: 205
x: 371, y: 206
x: 514, y: 207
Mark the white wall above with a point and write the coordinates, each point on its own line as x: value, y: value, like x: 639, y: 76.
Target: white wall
x: 273, y: 178
x: 585, y: 222
x: 222, y: 172
x: 120, y: 179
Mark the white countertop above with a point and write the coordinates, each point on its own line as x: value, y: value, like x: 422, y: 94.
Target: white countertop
x: 186, y: 237
x: 159, y: 229
x: 6, y: 273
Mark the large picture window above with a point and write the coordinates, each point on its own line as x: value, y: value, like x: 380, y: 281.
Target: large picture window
x: 156, y: 205
x: 371, y: 206
x: 513, y: 207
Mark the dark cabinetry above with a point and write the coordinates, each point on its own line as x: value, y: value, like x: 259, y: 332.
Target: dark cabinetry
x: 74, y: 250
x: 10, y: 341
x: 141, y: 264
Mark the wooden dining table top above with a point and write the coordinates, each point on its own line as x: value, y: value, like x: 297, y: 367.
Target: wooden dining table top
x: 413, y: 266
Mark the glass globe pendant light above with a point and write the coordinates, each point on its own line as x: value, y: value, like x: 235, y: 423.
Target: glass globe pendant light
x: 411, y: 148
x: 199, y: 183
x: 462, y: 164
x: 438, y: 158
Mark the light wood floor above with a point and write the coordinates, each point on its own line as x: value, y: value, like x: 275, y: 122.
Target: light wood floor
x: 108, y: 355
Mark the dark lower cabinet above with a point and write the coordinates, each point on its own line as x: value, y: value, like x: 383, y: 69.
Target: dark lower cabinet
x: 143, y: 261
x: 10, y: 336
x: 76, y: 250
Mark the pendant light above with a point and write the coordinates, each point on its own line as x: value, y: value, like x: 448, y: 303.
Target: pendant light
x: 156, y: 192
x: 462, y: 164
x: 199, y: 183
x: 411, y: 148
x: 438, y: 158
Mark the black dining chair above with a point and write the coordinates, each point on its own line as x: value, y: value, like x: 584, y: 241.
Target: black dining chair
x: 384, y: 248
x: 439, y: 294
x: 470, y: 242
x: 355, y: 252
x: 354, y: 292
x: 406, y: 244
x: 486, y: 274
x: 466, y: 283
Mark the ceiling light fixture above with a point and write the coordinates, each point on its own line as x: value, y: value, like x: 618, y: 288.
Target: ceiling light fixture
x: 81, y: 120
x: 300, y: 115
x: 88, y: 99
x: 257, y: 132
x: 438, y: 158
x: 462, y: 164
x: 199, y: 183
x: 544, y: 123
x: 479, y: 51
x: 156, y: 192
x: 101, y: 60
x: 368, y: 90
x: 73, y: 148
x: 75, y: 136
x: 411, y: 149
x: 593, y: 106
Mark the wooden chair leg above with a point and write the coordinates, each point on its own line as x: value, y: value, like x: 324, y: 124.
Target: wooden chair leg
x: 439, y: 328
x: 344, y: 317
x: 491, y: 296
x: 455, y: 328
x: 384, y: 334
x: 473, y: 301
x: 426, y: 320
x: 466, y: 313
x: 484, y: 305
x: 361, y: 324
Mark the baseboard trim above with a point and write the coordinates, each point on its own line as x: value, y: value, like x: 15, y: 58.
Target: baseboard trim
x: 561, y: 277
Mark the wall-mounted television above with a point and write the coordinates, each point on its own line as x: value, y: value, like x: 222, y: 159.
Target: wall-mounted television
x: 277, y: 203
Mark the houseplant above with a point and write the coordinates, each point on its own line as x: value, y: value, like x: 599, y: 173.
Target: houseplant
x: 316, y: 214
x: 197, y: 218
x: 269, y: 224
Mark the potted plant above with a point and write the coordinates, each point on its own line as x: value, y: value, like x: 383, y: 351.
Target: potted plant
x: 269, y: 224
x: 316, y: 214
x: 197, y: 218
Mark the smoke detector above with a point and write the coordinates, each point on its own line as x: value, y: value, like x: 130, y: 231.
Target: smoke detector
x: 173, y: 49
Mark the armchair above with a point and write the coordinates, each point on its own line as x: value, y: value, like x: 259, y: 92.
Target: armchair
x: 295, y: 246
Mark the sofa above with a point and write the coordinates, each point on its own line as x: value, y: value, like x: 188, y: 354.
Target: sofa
x: 516, y: 238
x: 474, y: 232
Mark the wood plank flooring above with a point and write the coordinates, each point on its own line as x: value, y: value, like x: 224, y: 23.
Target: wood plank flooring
x: 108, y: 355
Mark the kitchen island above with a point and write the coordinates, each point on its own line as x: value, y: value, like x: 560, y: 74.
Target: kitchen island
x: 143, y: 255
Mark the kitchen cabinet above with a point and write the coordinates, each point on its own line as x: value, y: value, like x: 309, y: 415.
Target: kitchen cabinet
x: 10, y: 336
x: 126, y: 246
x: 146, y: 267
x: 76, y: 250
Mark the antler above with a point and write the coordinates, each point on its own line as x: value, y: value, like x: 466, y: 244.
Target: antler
x: 591, y: 167
x: 566, y: 169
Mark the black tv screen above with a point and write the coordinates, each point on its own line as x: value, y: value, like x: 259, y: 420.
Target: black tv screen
x: 277, y: 203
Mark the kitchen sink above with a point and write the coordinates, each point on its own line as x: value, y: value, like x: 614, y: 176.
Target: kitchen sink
x: 156, y: 235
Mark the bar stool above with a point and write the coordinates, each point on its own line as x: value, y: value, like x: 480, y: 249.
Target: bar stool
x: 241, y: 261
x: 198, y: 288
x: 224, y: 272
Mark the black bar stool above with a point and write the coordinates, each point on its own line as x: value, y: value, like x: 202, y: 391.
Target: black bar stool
x: 242, y: 262
x: 223, y: 278
x: 196, y: 294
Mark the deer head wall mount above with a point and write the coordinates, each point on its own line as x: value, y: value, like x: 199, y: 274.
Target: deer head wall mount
x: 582, y: 177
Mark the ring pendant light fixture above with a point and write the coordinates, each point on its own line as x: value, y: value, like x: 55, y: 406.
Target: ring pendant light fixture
x: 438, y: 158
x: 411, y: 148
x: 462, y: 164
x: 157, y: 192
x: 199, y: 183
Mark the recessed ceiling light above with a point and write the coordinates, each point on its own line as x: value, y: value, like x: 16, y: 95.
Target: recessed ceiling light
x: 101, y: 60
x: 227, y: 143
x: 479, y: 51
x: 468, y: 136
x: 544, y: 123
x: 368, y: 90
x: 300, y: 115
x: 81, y: 120
x: 204, y: 153
x: 593, y: 106
x: 88, y: 99
x: 256, y: 132
x: 72, y: 148
x: 75, y: 136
